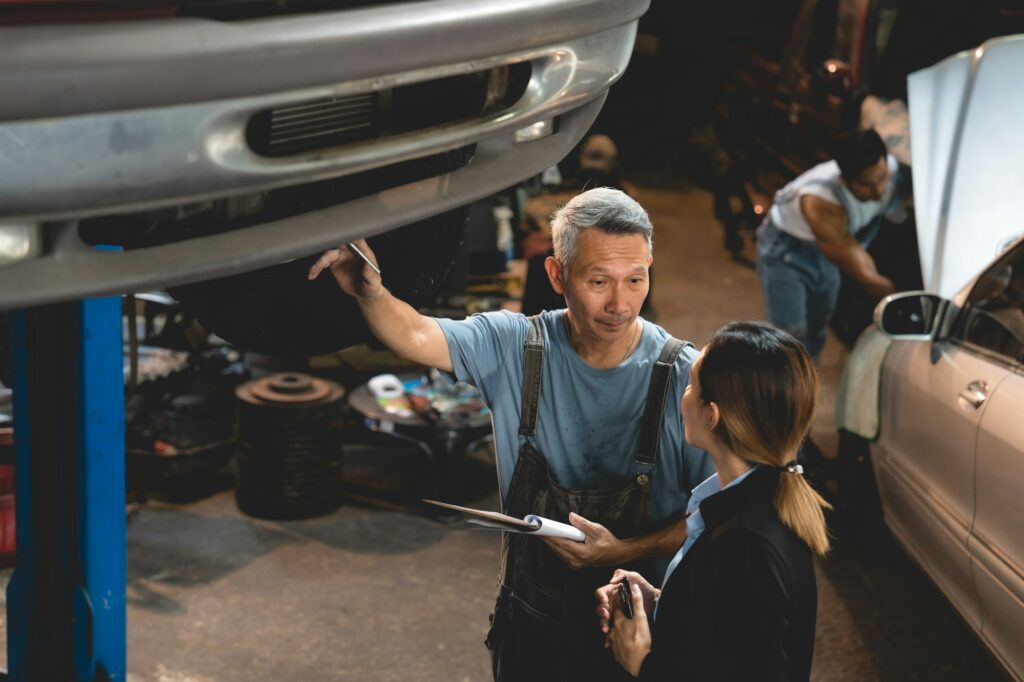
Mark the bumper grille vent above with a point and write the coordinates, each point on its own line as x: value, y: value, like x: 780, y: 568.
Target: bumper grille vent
x: 315, y: 125
x: 321, y: 124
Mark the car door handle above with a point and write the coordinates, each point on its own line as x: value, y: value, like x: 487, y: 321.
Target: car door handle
x: 975, y: 393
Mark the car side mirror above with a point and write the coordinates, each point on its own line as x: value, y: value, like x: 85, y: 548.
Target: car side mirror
x: 910, y: 316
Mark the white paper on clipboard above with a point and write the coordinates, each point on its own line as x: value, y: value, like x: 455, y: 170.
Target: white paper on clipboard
x: 531, y: 524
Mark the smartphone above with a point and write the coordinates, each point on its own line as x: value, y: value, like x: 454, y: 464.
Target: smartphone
x: 626, y: 597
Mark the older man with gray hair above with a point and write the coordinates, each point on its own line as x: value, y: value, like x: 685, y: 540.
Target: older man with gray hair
x: 578, y: 398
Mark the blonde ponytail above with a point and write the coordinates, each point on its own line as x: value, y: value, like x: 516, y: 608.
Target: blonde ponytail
x: 800, y: 507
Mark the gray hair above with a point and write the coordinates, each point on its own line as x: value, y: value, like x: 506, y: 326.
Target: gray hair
x: 609, y: 210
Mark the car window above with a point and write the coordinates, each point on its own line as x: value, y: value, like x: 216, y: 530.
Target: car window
x: 831, y: 30
x: 833, y: 33
x: 846, y: 29
x: 880, y: 25
x: 820, y: 35
x: 763, y: 25
x: 886, y: 20
x: 993, y: 316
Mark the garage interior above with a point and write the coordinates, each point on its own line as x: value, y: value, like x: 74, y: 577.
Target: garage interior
x: 379, y: 589
x: 267, y: 543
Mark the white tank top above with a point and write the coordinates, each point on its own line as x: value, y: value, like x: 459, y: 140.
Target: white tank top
x: 824, y: 181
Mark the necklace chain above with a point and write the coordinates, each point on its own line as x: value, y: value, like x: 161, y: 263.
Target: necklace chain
x: 636, y: 332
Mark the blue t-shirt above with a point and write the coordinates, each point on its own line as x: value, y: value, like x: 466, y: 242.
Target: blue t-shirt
x: 588, y: 420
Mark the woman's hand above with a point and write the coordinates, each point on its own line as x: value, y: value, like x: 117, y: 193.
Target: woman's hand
x: 630, y: 638
x: 608, y: 596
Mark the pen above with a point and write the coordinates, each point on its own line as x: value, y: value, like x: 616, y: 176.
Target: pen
x: 626, y: 597
x: 362, y: 255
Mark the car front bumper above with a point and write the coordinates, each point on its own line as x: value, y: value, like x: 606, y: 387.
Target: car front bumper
x: 117, y: 118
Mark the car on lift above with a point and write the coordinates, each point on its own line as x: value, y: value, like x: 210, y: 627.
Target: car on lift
x: 948, y: 457
x: 218, y: 145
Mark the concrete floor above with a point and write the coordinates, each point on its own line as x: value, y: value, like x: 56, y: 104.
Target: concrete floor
x: 377, y: 591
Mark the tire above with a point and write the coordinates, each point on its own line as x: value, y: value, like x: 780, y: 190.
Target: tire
x: 859, y: 507
x: 277, y: 311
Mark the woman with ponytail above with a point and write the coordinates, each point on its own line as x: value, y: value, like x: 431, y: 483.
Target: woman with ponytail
x: 739, y: 600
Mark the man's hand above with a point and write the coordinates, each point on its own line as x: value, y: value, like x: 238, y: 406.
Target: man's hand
x: 354, y: 276
x: 608, y: 597
x: 395, y: 323
x: 880, y: 288
x: 630, y: 639
x: 599, y: 548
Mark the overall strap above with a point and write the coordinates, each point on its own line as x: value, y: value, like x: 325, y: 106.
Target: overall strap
x: 533, y: 363
x: 654, y: 410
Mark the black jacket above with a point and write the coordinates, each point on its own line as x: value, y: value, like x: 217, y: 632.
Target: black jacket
x: 742, y: 603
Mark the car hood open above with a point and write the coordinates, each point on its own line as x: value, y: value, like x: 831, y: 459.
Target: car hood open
x: 966, y: 142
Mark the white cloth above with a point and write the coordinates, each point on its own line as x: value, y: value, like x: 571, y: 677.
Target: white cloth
x: 823, y: 181
x: 857, y: 401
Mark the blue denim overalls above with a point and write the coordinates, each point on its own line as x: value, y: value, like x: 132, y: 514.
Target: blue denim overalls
x: 544, y: 626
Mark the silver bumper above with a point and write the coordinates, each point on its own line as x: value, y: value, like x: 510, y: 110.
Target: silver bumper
x: 121, y: 117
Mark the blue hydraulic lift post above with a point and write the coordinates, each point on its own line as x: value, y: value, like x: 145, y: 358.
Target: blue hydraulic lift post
x: 66, y: 598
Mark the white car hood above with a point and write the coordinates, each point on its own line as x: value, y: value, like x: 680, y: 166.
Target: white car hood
x: 967, y: 142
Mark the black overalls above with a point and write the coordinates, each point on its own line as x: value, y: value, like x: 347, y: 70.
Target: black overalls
x: 544, y: 625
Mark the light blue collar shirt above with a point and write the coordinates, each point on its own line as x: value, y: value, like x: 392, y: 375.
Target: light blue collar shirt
x: 694, y: 521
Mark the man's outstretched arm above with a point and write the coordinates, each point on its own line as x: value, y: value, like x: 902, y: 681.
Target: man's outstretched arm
x: 828, y: 223
x: 602, y: 548
x: 394, y: 322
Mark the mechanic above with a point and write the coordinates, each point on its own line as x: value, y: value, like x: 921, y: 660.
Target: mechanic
x: 575, y: 434
x: 820, y: 223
